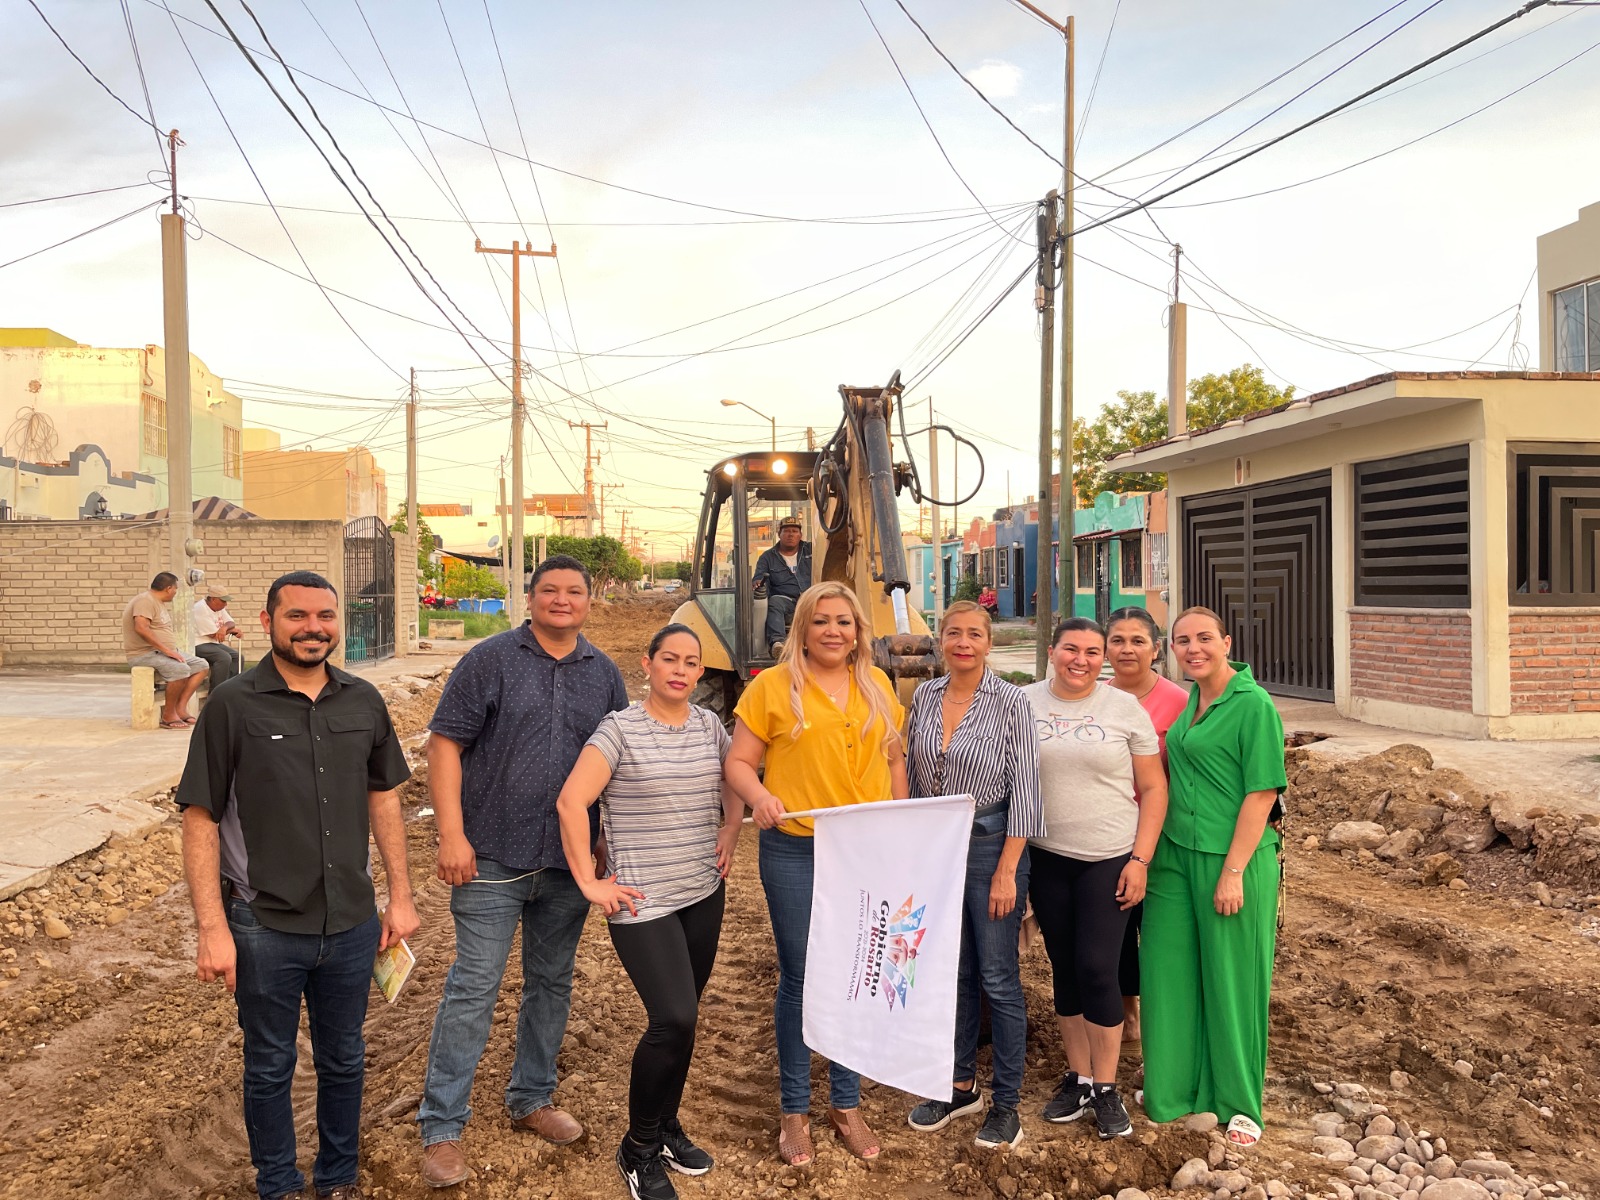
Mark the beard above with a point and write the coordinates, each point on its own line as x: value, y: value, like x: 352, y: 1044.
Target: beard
x: 307, y: 650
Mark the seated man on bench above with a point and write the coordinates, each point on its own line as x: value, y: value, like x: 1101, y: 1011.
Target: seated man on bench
x: 785, y: 570
x: 148, y: 642
x: 213, y: 626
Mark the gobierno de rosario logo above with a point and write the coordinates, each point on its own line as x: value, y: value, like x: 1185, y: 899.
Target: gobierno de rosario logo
x: 887, y: 944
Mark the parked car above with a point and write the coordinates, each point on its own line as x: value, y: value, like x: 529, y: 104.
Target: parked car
x: 672, y: 585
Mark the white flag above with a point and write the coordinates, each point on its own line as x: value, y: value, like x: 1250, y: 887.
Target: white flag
x: 885, y: 945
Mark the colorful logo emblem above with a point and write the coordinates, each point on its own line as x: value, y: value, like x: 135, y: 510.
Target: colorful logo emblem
x: 887, y: 945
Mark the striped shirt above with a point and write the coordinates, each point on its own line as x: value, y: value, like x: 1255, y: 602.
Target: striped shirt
x: 993, y: 754
x: 663, y: 806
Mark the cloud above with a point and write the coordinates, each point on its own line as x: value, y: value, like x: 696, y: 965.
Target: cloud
x: 996, y: 78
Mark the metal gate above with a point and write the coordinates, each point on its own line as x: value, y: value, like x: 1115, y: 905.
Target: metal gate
x: 368, y: 590
x: 1262, y: 557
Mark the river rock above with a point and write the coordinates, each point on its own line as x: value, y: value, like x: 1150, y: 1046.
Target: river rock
x: 1402, y: 843
x: 1442, y: 1167
x: 1380, y: 1126
x: 1327, y: 1124
x: 56, y: 928
x: 1380, y: 1148
x: 1440, y: 869
x: 1196, y: 1173
x: 1356, y: 835
x: 1455, y: 1189
x: 1468, y: 832
x: 1326, y: 1144
x: 1463, y: 1068
x: 1200, y: 1122
x: 1132, y: 1193
x: 1541, y: 893
x: 1485, y: 1166
x: 1399, y: 1080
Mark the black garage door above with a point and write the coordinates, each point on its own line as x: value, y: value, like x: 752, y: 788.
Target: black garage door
x: 1263, y: 558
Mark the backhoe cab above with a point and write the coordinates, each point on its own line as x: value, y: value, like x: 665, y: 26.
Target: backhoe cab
x: 844, y: 496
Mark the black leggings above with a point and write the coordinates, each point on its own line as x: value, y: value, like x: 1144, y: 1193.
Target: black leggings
x: 1128, y: 971
x: 669, y: 960
x: 1079, y: 915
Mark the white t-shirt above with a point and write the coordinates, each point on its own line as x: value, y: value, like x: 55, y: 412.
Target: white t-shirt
x: 790, y: 559
x: 206, y: 623
x: 1086, y: 769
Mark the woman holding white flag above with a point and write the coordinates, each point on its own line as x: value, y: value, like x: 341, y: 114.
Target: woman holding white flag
x: 671, y: 826
x: 1105, y: 798
x: 971, y: 732
x: 827, y: 723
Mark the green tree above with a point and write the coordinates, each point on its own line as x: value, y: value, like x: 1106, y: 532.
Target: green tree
x: 967, y: 588
x: 427, y: 570
x: 469, y: 581
x: 1139, y: 418
x: 605, y: 558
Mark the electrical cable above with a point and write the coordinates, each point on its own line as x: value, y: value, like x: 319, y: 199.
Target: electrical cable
x: 1094, y: 84
x: 85, y: 233
x: 138, y: 116
x: 144, y: 84
x: 123, y: 187
x: 943, y: 153
x: 1304, y: 125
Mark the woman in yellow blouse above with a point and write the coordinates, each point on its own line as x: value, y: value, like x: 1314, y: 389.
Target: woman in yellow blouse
x: 827, y: 722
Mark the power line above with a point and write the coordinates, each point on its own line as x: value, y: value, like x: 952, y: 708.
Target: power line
x: 144, y: 84
x: 122, y: 187
x: 943, y: 153
x: 1304, y: 125
x: 74, y: 237
x: 143, y: 120
x: 1094, y: 84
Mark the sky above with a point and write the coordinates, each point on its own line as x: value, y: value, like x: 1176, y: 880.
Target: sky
x: 748, y: 204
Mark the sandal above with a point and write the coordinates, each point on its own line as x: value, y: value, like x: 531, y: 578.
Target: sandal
x: 174, y: 724
x: 794, y: 1139
x: 853, y: 1132
x: 1243, y: 1132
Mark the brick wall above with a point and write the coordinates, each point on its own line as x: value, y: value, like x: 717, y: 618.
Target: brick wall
x: 1412, y: 657
x: 1553, y: 668
x: 63, y: 584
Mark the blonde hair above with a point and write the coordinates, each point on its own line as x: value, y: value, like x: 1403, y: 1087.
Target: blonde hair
x: 859, y: 661
x: 1199, y: 610
x: 961, y: 607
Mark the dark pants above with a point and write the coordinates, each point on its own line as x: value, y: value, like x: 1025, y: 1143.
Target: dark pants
x: 989, y: 968
x: 333, y: 973
x: 1082, y: 923
x: 1128, y: 969
x: 780, y: 612
x: 220, y: 659
x: 669, y: 960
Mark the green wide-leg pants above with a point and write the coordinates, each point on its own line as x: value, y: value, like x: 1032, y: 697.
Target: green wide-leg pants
x: 1206, y: 981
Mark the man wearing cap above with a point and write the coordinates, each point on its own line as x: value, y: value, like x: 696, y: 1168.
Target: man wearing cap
x: 213, y: 626
x: 785, y: 570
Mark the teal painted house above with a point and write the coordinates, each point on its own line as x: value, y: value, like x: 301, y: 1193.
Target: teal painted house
x: 1109, y: 542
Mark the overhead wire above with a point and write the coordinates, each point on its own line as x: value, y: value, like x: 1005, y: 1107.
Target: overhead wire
x: 83, y: 234
x: 1094, y: 84
x: 104, y: 86
x: 121, y: 187
x: 144, y: 84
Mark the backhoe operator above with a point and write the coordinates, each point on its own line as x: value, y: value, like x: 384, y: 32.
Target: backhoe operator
x: 785, y: 571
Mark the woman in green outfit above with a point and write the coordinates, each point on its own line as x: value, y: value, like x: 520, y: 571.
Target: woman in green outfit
x: 1210, y: 924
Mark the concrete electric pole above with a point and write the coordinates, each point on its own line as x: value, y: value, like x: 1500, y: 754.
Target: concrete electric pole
x: 183, y: 548
x: 515, y: 597
x: 1045, y: 299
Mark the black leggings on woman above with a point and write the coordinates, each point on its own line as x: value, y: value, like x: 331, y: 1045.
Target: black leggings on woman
x: 669, y: 960
x: 1076, y: 905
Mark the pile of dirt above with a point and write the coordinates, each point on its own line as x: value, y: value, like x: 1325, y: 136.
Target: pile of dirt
x: 1396, y: 811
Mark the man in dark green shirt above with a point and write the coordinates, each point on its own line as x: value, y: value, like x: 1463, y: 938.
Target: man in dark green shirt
x: 290, y: 767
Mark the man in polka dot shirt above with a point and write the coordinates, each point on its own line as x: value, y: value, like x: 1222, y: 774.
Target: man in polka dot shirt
x: 509, y: 726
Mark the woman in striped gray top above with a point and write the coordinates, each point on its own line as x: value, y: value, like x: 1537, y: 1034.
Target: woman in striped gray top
x: 671, y: 826
x: 971, y: 732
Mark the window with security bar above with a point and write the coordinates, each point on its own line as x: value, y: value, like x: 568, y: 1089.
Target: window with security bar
x: 1412, y: 535
x: 1577, y: 325
x: 1555, y: 526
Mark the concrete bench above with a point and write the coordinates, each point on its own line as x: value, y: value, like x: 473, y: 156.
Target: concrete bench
x: 446, y: 629
x: 144, y: 707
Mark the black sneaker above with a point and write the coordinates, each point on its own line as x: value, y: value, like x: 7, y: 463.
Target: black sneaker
x: 936, y: 1114
x: 1000, y: 1128
x: 1110, y: 1116
x: 1070, y: 1102
x: 644, y: 1173
x: 679, y: 1153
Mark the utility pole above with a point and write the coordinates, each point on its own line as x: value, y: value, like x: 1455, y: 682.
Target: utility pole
x: 1177, y: 354
x: 589, y: 457
x: 411, y: 462
x: 1068, y: 552
x: 604, y: 488
x: 182, y: 546
x: 1045, y: 300
x: 514, y: 596
x: 623, y: 536
x: 938, y: 537
x: 505, y: 570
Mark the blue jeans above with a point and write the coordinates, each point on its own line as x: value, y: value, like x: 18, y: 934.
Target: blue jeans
x: 487, y: 911
x: 780, y: 612
x: 786, y: 870
x: 989, y: 968
x: 333, y: 973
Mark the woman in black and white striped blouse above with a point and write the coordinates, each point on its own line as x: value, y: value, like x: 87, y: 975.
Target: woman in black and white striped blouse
x: 971, y: 732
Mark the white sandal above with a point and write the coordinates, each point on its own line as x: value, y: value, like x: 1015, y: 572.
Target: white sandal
x: 1243, y: 1132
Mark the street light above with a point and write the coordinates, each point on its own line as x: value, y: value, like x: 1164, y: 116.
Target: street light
x: 759, y: 413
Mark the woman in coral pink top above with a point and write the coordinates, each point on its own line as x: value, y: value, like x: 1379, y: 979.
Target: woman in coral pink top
x: 1133, y: 640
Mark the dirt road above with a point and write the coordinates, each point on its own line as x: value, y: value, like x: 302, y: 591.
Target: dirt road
x: 119, y: 1072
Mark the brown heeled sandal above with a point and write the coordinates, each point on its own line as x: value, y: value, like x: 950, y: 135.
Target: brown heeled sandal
x: 853, y: 1132
x: 794, y: 1139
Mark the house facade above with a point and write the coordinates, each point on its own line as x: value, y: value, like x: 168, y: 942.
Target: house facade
x: 311, y: 485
